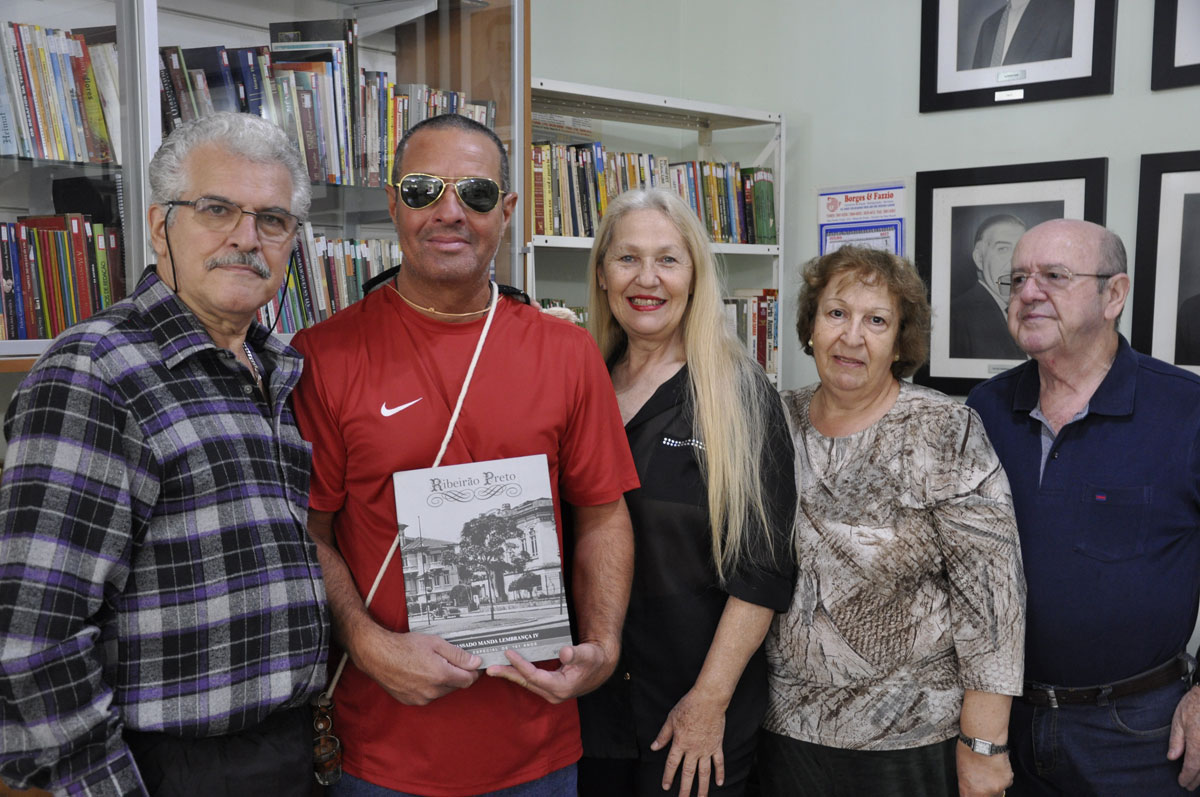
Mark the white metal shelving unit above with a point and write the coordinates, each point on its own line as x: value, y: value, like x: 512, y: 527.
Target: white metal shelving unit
x: 652, y: 110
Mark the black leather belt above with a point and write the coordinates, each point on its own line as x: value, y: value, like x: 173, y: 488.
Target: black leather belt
x: 1055, y: 696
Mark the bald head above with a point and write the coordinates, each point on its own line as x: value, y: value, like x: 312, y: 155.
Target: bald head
x: 1079, y: 242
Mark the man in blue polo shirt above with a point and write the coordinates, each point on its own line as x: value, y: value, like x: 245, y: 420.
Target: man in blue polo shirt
x: 1102, y: 450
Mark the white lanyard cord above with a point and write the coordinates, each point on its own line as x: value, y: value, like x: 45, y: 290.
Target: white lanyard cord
x: 462, y: 395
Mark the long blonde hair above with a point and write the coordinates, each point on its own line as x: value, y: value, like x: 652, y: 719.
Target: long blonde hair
x: 728, y: 399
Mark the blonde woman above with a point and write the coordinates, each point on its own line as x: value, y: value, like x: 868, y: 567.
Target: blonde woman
x: 712, y: 520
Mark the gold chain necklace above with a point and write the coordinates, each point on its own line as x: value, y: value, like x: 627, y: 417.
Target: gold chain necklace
x: 416, y: 306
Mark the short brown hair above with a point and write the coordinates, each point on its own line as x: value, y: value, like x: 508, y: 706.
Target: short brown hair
x: 871, y: 266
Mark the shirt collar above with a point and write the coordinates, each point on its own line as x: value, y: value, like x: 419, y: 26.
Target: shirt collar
x: 1114, y: 396
x: 175, y: 328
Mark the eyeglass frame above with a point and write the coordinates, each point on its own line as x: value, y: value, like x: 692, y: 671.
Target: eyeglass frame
x: 445, y: 182
x: 191, y: 203
x: 1010, y: 290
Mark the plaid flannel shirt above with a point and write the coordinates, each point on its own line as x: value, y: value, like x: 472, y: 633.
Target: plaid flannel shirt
x: 155, y: 568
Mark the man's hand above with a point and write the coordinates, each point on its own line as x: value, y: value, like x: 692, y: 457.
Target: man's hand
x: 982, y: 775
x: 1185, y: 739
x: 695, y: 728
x: 415, y: 669
x: 582, y: 668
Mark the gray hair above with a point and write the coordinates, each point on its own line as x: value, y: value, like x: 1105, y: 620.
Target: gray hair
x: 1112, y: 253
x: 241, y: 134
x: 453, y: 121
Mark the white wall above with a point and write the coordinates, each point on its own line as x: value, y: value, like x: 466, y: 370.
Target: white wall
x: 846, y: 74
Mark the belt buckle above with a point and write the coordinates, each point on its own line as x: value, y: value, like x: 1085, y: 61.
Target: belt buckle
x: 1052, y: 697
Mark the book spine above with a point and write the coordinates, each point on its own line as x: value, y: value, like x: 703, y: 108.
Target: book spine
x: 101, y: 239
x: 11, y: 283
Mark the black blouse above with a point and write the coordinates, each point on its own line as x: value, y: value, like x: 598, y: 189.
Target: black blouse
x: 676, y: 602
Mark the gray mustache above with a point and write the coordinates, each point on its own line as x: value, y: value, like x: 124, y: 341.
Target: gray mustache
x: 252, y: 259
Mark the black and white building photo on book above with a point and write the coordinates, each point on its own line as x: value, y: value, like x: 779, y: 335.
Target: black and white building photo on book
x: 482, y: 560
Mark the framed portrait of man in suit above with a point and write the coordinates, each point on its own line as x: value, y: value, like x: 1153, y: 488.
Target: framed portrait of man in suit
x: 967, y: 223
x: 977, y: 53
x: 1175, y: 61
x: 1166, y: 290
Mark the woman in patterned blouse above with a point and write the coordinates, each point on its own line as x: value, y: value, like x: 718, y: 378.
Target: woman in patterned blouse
x: 908, y: 619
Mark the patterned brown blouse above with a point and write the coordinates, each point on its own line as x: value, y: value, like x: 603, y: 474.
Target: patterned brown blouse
x: 910, y: 587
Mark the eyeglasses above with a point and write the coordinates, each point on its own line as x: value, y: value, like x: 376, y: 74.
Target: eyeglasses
x: 273, y: 226
x: 480, y: 194
x: 1049, y: 278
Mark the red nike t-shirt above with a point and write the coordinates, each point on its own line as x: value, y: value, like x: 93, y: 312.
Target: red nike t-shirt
x: 379, y: 385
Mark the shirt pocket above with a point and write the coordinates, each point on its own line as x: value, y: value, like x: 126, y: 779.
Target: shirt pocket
x: 1112, y: 522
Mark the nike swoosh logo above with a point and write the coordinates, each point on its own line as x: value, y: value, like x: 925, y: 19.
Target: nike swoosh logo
x: 388, y: 412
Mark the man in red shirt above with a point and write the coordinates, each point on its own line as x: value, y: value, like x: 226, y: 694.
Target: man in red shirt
x: 379, y: 389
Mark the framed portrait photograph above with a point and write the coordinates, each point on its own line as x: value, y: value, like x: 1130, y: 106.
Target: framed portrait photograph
x: 977, y: 53
x: 1166, y: 290
x: 967, y: 223
x: 1175, y: 61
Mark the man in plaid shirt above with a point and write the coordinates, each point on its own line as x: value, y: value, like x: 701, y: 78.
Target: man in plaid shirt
x: 162, y: 614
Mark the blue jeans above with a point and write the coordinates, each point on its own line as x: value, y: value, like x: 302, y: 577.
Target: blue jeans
x: 559, y: 783
x: 1116, y: 749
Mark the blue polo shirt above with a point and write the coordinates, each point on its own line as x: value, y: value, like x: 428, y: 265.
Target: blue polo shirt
x: 1110, y: 537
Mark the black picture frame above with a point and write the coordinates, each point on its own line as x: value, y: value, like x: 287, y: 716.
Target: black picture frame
x: 953, y: 207
x: 1170, y: 69
x: 1167, y: 259
x: 952, y: 30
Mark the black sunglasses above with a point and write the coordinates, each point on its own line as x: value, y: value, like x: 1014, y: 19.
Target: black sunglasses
x: 480, y: 194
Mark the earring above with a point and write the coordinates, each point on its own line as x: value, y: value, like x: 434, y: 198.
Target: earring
x: 896, y: 359
x: 810, y: 343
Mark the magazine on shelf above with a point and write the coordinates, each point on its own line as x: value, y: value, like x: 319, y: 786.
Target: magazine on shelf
x: 482, y: 562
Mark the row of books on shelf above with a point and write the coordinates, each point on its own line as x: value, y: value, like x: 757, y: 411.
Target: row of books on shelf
x: 572, y: 185
x: 56, y: 271
x: 327, y: 276
x: 753, y: 317
x: 59, y: 95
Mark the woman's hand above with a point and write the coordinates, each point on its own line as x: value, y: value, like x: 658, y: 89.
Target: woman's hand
x: 982, y: 775
x: 695, y: 729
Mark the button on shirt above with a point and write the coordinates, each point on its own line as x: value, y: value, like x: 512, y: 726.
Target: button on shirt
x: 1110, y: 536
x: 155, y: 569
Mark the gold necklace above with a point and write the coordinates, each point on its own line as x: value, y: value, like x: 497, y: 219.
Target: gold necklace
x: 416, y: 306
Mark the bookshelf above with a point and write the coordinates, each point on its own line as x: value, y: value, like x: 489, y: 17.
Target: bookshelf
x: 474, y: 47
x: 681, y: 130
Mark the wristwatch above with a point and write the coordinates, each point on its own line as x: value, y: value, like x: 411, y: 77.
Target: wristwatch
x: 982, y: 746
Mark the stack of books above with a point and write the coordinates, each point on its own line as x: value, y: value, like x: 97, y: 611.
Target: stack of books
x: 344, y: 120
x: 572, y: 184
x: 58, y: 95
x: 56, y: 271
x: 328, y: 276
x: 753, y: 317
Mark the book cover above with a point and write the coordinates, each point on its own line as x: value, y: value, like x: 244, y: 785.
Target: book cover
x: 482, y: 559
